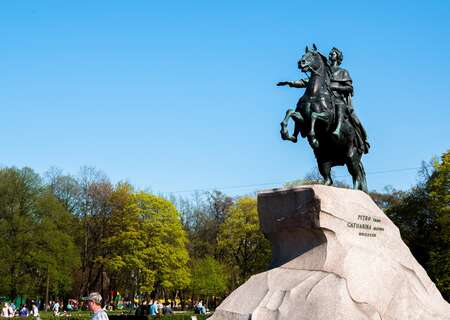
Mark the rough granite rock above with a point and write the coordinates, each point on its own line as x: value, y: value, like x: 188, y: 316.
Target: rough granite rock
x: 336, y: 256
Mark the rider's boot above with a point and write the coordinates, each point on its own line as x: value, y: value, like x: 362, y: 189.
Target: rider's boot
x: 340, y: 117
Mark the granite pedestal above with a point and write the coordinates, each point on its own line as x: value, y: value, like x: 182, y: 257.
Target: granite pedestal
x: 336, y: 255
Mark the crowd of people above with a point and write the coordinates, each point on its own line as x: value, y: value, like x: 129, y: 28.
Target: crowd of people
x: 153, y: 307
x: 31, y: 308
x: 156, y: 308
x: 9, y: 310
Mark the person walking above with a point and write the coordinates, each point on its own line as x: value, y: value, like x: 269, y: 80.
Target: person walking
x: 94, y: 304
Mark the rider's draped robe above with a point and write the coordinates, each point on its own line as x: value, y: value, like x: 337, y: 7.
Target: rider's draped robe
x: 342, y: 76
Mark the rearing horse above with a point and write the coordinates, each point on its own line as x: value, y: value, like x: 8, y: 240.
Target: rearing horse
x: 314, y: 117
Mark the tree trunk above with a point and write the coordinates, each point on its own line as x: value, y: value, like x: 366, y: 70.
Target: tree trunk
x: 46, y: 289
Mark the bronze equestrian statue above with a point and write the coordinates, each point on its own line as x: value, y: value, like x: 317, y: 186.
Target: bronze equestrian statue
x: 325, y: 115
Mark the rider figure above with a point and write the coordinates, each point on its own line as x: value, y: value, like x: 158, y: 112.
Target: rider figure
x: 342, y: 87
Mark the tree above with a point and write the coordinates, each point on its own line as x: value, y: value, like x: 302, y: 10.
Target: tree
x: 125, y: 247
x: 438, y: 187
x: 166, y: 241
x: 202, y: 216
x: 146, y: 250
x: 388, y: 198
x: 34, y: 236
x: 241, y: 242
x: 19, y: 189
x: 209, y: 279
x: 65, y: 188
x: 93, y: 212
x: 55, y: 254
x: 422, y: 215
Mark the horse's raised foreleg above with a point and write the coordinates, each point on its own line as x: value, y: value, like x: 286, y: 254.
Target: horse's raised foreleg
x: 298, y: 119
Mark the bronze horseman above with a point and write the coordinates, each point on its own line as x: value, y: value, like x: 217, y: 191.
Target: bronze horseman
x: 326, y: 116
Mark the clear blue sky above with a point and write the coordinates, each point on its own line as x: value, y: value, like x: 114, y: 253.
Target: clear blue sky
x: 181, y: 95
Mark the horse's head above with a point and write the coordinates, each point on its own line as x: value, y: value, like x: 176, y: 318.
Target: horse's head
x: 312, y: 61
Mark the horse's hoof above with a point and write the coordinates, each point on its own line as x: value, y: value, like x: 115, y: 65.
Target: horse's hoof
x: 315, y: 143
x: 294, y: 139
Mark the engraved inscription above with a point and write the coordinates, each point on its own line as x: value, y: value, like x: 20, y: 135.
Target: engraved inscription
x: 368, y: 224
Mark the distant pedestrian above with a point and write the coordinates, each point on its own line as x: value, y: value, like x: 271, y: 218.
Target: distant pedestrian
x: 12, y: 310
x: 94, y: 304
x: 13, y: 307
x: 201, y: 309
x: 166, y: 310
x: 55, y: 308
x: 154, y: 308
x: 5, y: 311
x: 23, y: 312
x: 35, y: 311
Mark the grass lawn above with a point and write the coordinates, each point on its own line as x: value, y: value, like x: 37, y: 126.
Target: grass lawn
x: 86, y: 315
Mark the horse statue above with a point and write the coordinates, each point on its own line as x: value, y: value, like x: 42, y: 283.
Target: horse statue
x: 315, y: 118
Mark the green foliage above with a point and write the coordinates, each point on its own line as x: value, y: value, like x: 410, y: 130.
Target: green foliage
x: 56, y: 251
x: 33, y: 235
x: 167, y: 241
x: 438, y: 187
x: 208, y: 278
x: 422, y: 216
x: 126, y: 247
x: 390, y: 197
x: 147, y: 245
x: 241, y: 242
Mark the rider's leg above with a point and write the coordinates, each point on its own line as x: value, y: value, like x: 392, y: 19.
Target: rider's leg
x: 340, y: 112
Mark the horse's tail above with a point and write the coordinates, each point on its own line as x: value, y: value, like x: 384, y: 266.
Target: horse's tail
x: 363, y: 180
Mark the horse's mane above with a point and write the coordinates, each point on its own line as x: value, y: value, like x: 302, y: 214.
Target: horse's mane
x: 327, y: 66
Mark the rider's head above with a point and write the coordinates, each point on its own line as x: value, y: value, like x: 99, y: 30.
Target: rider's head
x: 336, y: 55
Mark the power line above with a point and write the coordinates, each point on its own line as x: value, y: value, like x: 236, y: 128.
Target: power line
x: 278, y: 183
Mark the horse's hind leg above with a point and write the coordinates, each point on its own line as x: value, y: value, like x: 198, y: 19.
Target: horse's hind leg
x: 325, y: 172
x: 356, y: 169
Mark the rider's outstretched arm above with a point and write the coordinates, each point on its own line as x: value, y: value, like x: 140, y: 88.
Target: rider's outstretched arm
x: 294, y: 84
x: 299, y: 83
